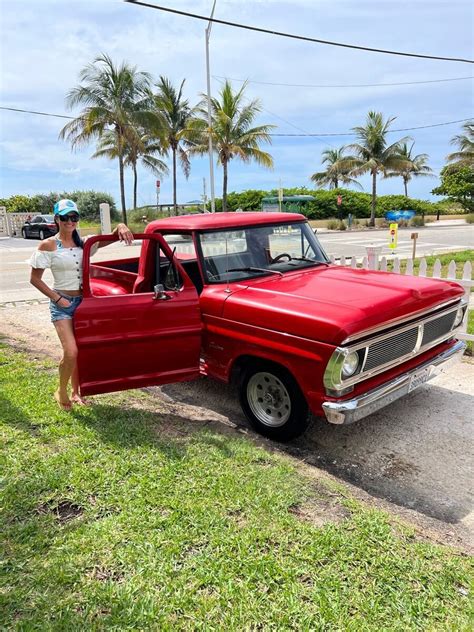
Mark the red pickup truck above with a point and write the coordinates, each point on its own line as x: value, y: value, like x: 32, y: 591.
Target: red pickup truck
x: 251, y: 298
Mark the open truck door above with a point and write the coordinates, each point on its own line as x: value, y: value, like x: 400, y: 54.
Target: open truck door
x: 139, y: 323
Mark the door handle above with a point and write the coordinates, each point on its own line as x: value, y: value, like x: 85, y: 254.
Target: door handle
x: 159, y: 293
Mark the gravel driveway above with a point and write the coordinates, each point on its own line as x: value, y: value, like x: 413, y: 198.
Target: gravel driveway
x: 415, y: 457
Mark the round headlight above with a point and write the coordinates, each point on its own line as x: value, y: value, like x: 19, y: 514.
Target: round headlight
x: 350, y: 364
x: 459, y: 317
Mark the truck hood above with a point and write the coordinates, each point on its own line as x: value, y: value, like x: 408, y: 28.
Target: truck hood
x: 332, y: 303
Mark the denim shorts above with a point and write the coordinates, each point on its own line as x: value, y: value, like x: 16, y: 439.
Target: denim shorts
x: 64, y: 313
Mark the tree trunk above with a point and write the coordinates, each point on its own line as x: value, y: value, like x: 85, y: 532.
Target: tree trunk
x: 122, y: 187
x: 175, y: 206
x: 135, y: 182
x: 224, y: 187
x: 405, y: 184
x: 374, y: 199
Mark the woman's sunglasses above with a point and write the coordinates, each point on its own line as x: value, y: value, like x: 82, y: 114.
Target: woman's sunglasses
x: 70, y: 217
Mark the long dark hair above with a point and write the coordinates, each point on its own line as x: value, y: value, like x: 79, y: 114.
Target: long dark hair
x: 75, y: 235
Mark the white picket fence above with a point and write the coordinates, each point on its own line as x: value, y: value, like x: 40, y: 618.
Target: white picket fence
x: 382, y: 264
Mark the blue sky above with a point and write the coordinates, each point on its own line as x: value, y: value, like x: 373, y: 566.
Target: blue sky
x: 45, y: 43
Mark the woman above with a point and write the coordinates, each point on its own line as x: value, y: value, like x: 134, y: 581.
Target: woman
x: 63, y: 255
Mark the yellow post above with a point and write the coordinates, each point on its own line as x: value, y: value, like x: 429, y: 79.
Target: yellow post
x: 393, y: 237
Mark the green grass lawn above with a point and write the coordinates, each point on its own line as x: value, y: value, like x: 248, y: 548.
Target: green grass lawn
x: 119, y: 517
x: 470, y: 330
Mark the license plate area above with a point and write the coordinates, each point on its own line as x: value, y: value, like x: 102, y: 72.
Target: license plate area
x: 419, y: 378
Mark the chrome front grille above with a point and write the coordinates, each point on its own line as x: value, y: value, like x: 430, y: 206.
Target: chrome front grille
x: 391, y: 348
x: 399, y: 346
x: 437, y: 327
x: 385, y: 351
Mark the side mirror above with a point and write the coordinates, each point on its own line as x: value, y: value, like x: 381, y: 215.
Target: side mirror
x: 159, y: 293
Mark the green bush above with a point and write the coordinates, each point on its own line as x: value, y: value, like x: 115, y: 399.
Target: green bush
x: 457, y: 182
x: 333, y: 224
x: 418, y: 220
x: 325, y: 204
x: 136, y: 216
x: 44, y: 202
x: 401, y: 203
x: 470, y: 218
x: 20, y: 204
x: 87, y: 202
x: 250, y: 200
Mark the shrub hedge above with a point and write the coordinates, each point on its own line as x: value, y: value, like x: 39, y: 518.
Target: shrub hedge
x: 323, y: 206
x: 325, y: 203
x: 87, y: 202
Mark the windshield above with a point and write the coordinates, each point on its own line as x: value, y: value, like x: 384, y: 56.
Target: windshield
x: 235, y: 255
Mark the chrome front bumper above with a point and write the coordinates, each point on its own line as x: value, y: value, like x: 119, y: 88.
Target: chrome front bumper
x: 354, y: 409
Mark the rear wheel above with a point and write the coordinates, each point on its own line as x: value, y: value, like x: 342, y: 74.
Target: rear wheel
x: 273, y: 402
x: 41, y: 234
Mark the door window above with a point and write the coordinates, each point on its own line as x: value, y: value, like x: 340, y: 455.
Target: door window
x: 117, y: 269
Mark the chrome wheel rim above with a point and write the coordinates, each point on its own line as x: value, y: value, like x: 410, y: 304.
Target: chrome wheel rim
x: 268, y: 399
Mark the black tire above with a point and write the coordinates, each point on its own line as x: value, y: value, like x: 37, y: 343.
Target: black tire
x: 42, y: 234
x: 273, y: 402
x: 24, y: 233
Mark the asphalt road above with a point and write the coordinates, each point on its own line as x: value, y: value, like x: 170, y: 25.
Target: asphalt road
x: 433, y: 239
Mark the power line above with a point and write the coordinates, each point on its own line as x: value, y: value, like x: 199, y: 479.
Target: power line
x: 347, y: 85
x: 33, y: 112
x: 390, y: 131
x: 297, y: 37
x: 403, y: 129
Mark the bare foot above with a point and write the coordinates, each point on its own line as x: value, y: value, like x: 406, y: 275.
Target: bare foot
x: 77, y: 399
x: 64, y: 404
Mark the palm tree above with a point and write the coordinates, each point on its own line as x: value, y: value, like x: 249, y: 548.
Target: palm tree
x: 143, y: 148
x: 465, y: 144
x: 174, y: 114
x: 415, y: 166
x: 231, y: 131
x: 373, y: 154
x: 113, y: 97
x: 334, y: 173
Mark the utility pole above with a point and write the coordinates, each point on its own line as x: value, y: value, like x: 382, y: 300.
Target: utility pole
x: 209, y: 120
x: 204, y: 196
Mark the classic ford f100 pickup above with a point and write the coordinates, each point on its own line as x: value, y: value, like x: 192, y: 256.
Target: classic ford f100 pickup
x: 251, y: 298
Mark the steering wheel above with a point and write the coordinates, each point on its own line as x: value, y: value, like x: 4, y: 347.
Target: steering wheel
x: 281, y: 256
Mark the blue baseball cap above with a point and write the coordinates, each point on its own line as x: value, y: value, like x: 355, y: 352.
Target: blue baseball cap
x: 63, y: 207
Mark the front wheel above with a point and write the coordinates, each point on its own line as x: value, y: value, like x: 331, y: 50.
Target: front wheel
x: 273, y: 402
x: 23, y: 233
x: 41, y: 234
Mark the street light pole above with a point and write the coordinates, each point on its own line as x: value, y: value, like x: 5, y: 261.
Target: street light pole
x: 209, y: 120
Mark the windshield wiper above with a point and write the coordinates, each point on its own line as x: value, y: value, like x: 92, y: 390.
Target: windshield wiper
x: 313, y: 261
x: 251, y: 269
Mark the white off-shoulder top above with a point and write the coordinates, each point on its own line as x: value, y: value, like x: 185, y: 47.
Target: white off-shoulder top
x: 65, y: 264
